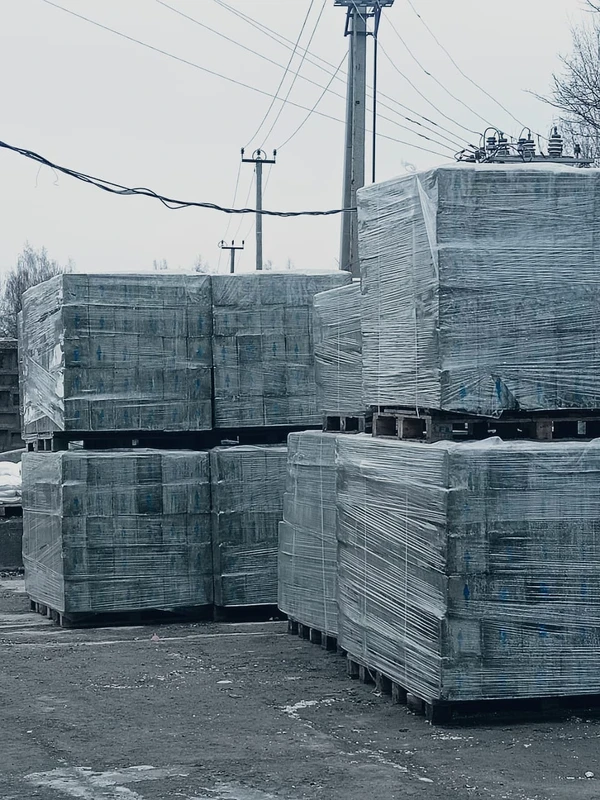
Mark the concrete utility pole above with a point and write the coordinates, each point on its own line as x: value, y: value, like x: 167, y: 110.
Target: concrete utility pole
x: 357, y: 14
x: 232, y: 248
x: 259, y: 157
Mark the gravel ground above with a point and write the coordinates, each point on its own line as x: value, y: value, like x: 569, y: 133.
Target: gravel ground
x: 247, y: 712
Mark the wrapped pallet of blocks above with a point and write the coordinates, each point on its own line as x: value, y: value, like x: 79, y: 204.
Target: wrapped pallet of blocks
x: 117, y: 352
x: 480, y: 290
x: 471, y: 571
x: 263, y: 352
x: 307, y: 534
x: 113, y: 531
x: 338, y: 350
x: 248, y: 483
x: 10, y: 420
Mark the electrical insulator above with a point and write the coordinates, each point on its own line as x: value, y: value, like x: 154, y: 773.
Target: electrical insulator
x: 529, y: 147
x: 555, y: 144
x: 502, y: 145
x: 490, y: 144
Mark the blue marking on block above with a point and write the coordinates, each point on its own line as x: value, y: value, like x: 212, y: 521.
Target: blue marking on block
x: 499, y: 388
x: 542, y: 632
x: 504, y: 594
x: 503, y: 637
x: 467, y: 592
x: 76, y: 354
x: 467, y: 559
x: 99, y: 353
x: 463, y: 392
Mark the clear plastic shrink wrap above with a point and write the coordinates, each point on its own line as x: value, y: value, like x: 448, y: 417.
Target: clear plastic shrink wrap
x: 121, y: 530
x: 307, y: 535
x: 471, y: 570
x: 117, y: 352
x: 263, y: 353
x: 481, y: 288
x: 338, y: 351
x: 248, y: 483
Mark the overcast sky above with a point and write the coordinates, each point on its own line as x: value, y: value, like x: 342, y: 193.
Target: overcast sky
x: 90, y: 100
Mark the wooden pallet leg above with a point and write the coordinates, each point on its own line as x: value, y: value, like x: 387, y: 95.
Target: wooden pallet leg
x: 364, y: 674
x: 328, y: 642
x: 352, y: 668
x: 398, y: 694
x: 303, y: 631
x: 314, y: 635
x: 415, y: 703
x: 438, y: 713
x: 383, y: 684
x: 292, y: 627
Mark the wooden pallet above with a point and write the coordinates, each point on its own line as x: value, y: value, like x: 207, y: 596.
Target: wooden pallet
x: 350, y: 423
x: 256, y: 613
x: 161, y: 440
x: 314, y: 635
x: 111, y: 440
x: 12, y: 510
x: 436, y: 712
x: 434, y: 426
x: 116, y: 619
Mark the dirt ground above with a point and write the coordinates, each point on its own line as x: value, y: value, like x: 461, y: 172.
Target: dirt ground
x: 248, y: 712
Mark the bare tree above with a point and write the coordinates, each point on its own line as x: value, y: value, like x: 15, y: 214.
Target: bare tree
x: 32, y: 267
x: 576, y: 89
x: 200, y: 265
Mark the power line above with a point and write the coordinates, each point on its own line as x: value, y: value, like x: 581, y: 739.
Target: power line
x: 182, y: 60
x: 237, y: 184
x: 333, y: 76
x: 464, y: 74
x: 315, y: 59
x: 439, y: 83
x: 227, y: 78
x: 285, y: 72
x: 310, y: 113
x: 169, y: 202
x: 295, y: 78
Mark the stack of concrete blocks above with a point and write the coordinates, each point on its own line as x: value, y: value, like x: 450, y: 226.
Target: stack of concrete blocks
x: 10, y: 421
x: 307, y: 534
x: 480, y: 289
x: 113, y: 531
x: 263, y: 349
x: 109, y: 530
x: 248, y: 483
x: 471, y: 571
x: 264, y: 379
x: 338, y: 351
x: 117, y: 352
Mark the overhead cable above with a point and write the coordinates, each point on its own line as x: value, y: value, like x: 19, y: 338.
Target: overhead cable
x: 169, y: 202
x: 283, y: 77
x: 464, y: 74
x: 433, y: 77
x: 311, y: 112
x: 295, y: 78
x: 318, y: 62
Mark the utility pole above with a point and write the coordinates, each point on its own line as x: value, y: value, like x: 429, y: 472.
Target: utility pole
x: 232, y: 248
x: 357, y: 14
x: 259, y: 157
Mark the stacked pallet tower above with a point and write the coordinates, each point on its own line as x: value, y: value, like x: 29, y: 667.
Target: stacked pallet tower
x: 155, y: 469
x: 11, y: 511
x: 468, y: 563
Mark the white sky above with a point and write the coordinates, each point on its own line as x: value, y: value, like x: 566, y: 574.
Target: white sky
x: 89, y: 100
